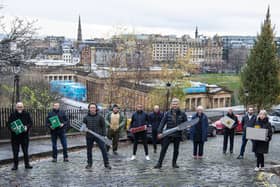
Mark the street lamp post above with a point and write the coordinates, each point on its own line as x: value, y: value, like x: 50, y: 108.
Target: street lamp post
x: 168, y: 85
x: 16, y: 94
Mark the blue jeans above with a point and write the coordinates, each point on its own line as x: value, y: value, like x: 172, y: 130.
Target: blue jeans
x: 244, y: 142
x: 102, y: 147
x: 61, y: 135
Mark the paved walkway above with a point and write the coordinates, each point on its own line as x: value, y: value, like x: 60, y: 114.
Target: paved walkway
x: 216, y: 169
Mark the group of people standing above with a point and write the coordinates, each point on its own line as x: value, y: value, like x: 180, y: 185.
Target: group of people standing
x: 114, y: 121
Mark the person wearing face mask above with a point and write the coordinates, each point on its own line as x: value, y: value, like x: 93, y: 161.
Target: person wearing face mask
x: 20, y: 117
x: 229, y: 132
x: 172, y: 118
x: 261, y: 147
x: 247, y: 121
x: 199, y: 132
x: 114, y: 121
x: 58, y: 132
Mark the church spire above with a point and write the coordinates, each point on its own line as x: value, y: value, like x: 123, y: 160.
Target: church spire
x: 196, y: 32
x: 79, y: 37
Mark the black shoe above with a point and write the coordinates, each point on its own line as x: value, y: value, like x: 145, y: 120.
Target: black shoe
x: 231, y: 152
x: 28, y: 167
x: 240, y: 157
x: 115, y: 153
x: 54, y: 160
x: 14, y: 168
x: 89, y: 166
x: 158, y: 166
x: 108, y: 166
x: 155, y: 150
x: 224, y: 152
x: 175, y: 166
x: 66, y: 160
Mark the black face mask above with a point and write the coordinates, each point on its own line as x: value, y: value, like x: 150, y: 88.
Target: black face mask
x: 55, y: 110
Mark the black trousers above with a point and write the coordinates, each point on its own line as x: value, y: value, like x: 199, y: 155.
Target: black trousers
x: 101, y: 145
x: 164, y: 146
x: 260, y: 159
x: 16, y: 143
x: 199, y: 146
x: 154, y: 138
x: 143, y: 136
x: 228, y: 133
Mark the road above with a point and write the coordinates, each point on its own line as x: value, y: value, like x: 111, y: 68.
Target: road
x: 216, y: 169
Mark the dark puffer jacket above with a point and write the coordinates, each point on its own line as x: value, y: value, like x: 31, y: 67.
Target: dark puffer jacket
x: 171, y: 119
x: 95, y: 123
x: 62, y: 118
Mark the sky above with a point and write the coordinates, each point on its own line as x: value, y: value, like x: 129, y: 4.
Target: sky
x: 103, y: 18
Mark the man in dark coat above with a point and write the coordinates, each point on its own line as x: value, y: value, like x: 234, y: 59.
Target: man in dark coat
x: 21, y: 117
x: 199, y: 132
x: 230, y: 132
x: 261, y: 147
x: 155, y: 118
x: 248, y: 120
x: 96, y: 123
x: 171, y: 119
x: 58, y: 132
x: 139, y: 119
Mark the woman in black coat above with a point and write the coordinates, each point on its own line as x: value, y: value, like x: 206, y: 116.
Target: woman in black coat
x: 261, y: 147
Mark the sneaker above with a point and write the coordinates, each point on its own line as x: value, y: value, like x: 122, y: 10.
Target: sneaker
x: 257, y: 169
x: 195, y: 157
x: 158, y: 166
x: 261, y: 168
x: 66, y: 160
x: 54, y: 160
x: 147, y: 157
x: 115, y: 153
x: 133, y: 157
x: 14, y: 168
x: 200, y: 157
x: 89, y: 166
x: 28, y: 167
x: 240, y: 157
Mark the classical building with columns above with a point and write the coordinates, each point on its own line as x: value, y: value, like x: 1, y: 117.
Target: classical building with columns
x: 208, y: 97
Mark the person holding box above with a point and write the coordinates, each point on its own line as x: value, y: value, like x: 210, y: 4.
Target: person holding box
x: 261, y: 147
x: 57, y: 122
x: 229, y: 131
x: 19, y: 124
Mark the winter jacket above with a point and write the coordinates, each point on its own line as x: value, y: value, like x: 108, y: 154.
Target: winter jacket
x: 246, y: 122
x: 139, y: 118
x: 62, y: 118
x: 25, y: 119
x: 155, y: 119
x: 122, y: 120
x: 204, y: 127
x: 262, y: 146
x: 95, y: 123
x: 171, y: 119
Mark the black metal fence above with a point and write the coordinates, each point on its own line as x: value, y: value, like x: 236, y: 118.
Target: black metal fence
x: 39, y: 117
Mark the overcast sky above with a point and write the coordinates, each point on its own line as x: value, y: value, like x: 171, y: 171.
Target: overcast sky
x: 102, y: 18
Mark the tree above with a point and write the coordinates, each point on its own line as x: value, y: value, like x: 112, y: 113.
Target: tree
x: 259, y: 77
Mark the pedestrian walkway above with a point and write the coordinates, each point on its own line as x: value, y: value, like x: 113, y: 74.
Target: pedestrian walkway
x: 41, y: 147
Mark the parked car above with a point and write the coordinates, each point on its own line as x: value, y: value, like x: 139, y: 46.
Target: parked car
x: 275, y: 123
x: 220, y: 127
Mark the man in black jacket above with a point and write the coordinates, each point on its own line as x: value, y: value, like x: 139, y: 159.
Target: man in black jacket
x: 248, y: 120
x: 20, y: 117
x: 171, y: 119
x: 155, y: 118
x: 230, y: 132
x: 96, y: 123
x: 58, y: 132
x: 140, y: 119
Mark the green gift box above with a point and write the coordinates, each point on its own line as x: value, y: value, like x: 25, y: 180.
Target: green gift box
x: 17, y: 126
x: 55, y: 122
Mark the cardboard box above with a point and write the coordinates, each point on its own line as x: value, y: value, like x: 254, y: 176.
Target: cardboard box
x: 256, y: 134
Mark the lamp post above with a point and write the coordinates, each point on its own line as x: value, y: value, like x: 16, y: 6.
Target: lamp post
x: 16, y: 94
x: 168, y: 85
x: 246, y: 93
